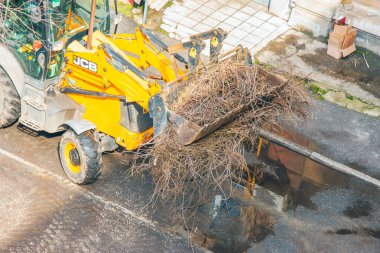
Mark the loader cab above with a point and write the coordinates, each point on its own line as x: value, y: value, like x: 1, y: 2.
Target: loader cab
x: 37, y: 32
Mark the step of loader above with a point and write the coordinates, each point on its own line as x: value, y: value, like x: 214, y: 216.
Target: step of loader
x: 31, y: 124
x: 34, y: 103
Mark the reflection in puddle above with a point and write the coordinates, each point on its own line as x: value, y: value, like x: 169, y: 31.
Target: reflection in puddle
x: 358, y: 208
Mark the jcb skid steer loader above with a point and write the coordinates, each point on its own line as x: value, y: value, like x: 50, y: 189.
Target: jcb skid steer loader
x: 61, y: 71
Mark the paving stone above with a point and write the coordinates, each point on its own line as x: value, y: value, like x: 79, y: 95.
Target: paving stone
x: 247, y: 44
x: 200, y: 1
x: 235, y: 4
x: 224, y: 2
x: 213, y: 5
x: 168, y: 28
x: 245, y: 2
x: 268, y: 27
x: 197, y: 16
x: 211, y: 22
x: 255, y: 21
x: 227, y: 47
x: 227, y: 10
x: 169, y: 22
x: 260, y: 33
x: 192, y: 5
x: 241, y: 15
x: 233, y: 21
x: 276, y: 21
x: 201, y: 27
x: 175, y: 17
x: 219, y: 16
x: 249, y: 10
x: 226, y: 27
x: 187, y: 21
x: 186, y: 29
x: 238, y: 33
x: 232, y: 40
x: 253, y: 39
x: 182, y: 10
x: 263, y: 15
x: 255, y: 6
x: 205, y: 10
x: 247, y: 27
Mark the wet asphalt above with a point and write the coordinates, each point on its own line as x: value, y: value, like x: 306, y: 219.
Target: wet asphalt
x: 41, y: 211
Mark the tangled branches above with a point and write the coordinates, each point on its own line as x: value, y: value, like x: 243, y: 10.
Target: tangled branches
x: 205, y: 165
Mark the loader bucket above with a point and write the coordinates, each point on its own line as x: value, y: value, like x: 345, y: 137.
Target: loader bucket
x: 189, y: 132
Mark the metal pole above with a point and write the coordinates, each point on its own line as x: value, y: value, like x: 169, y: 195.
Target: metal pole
x: 145, y: 11
x: 317, y: 157
x: 116, y: 13
x: 91, y: 26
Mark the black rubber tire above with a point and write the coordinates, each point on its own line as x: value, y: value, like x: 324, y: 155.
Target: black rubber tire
x: 10, y: 103
x: 88, y: 148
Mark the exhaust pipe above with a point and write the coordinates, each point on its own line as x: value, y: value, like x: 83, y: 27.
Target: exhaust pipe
x: 91, y: 27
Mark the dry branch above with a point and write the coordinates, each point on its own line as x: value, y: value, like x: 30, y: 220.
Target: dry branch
x: 196, y: 169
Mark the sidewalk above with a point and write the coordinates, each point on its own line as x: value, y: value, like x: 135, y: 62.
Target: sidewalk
x: 246, y: 22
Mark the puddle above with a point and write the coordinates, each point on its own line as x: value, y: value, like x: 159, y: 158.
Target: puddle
x: 361, y: 231
x: 231, y: 225
x: 358, y: 208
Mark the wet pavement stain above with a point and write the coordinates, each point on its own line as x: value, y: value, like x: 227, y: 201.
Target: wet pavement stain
x: 358, y: 208
x: 361, y: 231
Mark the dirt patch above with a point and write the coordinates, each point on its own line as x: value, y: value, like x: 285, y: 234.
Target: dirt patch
x: 352, y: 68
x: 290, y: 40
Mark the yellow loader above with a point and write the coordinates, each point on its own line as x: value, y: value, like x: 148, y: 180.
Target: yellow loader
x: 62, y: 71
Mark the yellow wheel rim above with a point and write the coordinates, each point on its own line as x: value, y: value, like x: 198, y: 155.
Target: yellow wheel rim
x: 72, y: 158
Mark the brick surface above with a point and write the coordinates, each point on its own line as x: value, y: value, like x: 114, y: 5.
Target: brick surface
x: 192, y: 5
x: 260, y: 33
x: 249, y: 10
x: 241, y: 15
x: 235, y: 4
x: 213, y: 5
x: 237, y: 32
x: 263, y: 15
x: 205, y: 10
x: 227, y: 10
x: 226, y: 27
x: 247, y: 22
x: 232, y: 40
x: 253, y: 39
x: 255, y: 21
x: 197, y: 16
x: 233, y: 21
x: 211, y: 22
x: 218, y: 15
x: 201, y: 27
x: 276, y: 21
x: 268, y: 27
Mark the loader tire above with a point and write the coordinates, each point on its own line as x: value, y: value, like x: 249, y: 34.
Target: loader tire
x: 80, y: 156
x: 10, y: 104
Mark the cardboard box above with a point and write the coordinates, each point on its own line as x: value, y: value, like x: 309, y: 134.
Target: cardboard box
x: 334, y: 52
x: 349, y: 50
x: 336, y: 39
x: 349, y: 39
x: 342, y: 29
x: 334, y: 43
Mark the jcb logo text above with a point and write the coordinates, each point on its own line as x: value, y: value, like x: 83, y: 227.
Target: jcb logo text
x: 85, y: 64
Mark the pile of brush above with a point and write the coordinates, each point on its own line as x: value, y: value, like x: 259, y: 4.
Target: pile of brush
x: 193, y: 170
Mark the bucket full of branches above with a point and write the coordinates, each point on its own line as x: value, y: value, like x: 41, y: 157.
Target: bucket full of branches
x: 220, y: 109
